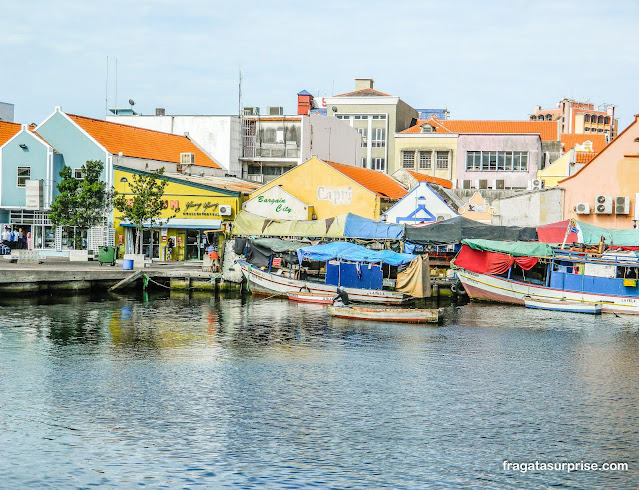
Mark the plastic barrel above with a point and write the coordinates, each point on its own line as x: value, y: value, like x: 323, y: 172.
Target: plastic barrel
x: 127, y: 264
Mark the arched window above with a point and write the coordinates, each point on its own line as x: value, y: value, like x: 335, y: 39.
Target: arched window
x: 607, y: 120
x: 548, y: 117
x: 533, y: 118
x: 587, y: 118
x: 600, y: 120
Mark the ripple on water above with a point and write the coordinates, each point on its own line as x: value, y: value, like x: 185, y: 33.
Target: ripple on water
x: 197, y: 390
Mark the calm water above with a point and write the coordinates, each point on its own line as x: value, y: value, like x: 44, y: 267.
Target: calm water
x: 186, y: 391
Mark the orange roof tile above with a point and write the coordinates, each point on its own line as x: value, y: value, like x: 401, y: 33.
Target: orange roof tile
x: 569, y: 141
x: 381, y: 184
x: 141, y: 143
x: 365, y: 92
x: 584, y: 156
x: 546, y: 129
x: 8, y: 130
x: 432, y: 180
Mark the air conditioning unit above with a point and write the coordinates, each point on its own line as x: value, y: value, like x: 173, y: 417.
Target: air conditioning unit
x: 187, y: 158
x: 275, y: 111
x: 583, y: 208
x: 225, y: 210
x: 536, y: 184
x: 251, y: 111
x: 603, y: 204
x: 622, y: 205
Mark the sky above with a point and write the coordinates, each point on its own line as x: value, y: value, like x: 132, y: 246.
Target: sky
x: 479, y: 59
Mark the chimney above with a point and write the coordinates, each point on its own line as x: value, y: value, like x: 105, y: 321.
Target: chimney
x: 304, y: 103
x: 363, y: 83
x: 160, y: 111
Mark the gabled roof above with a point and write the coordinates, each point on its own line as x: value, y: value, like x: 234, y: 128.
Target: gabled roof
x: 570, y: 140
x: 547, y: 130
x: 141, y: 143
x: 432, y: 180
x: 381, y: 184
x: 8, y: 130
x: 584, y: 156
x: 365, y: 92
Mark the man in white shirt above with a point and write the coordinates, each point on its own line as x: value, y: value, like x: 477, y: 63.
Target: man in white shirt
x: 6, y: 236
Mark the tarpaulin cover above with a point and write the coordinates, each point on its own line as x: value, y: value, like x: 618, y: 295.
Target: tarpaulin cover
x: 415, y: 279
x: 518, y: 249
x: 456, y: 229
x: 490, y: 262
x: 556, y: 232
x: 359, y: 227
x: 253, y: 225
x: 592, y: 235
x: 277, y: 245
x: 352, y: 252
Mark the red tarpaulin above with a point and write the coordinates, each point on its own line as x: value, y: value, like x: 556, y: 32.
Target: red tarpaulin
x: 555, y: 233
x: 490, y: 262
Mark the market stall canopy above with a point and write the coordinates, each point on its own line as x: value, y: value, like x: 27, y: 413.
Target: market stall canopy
x: 254, y: 225
x: 456, y: 229
x: 516, y: 249
x: 346, y: 225
x: 353, y: 253
x: 359, y: 227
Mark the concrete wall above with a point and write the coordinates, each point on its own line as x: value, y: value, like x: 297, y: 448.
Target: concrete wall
x: 219, y: 136
x: 499, y: 142
x: 6, y: 112
x: 331, y: 139
x: 169, y: 167
x: 614, y: 172
x: 530, y: 208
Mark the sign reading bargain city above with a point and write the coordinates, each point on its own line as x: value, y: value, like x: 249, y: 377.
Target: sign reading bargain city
x: 276, y: 203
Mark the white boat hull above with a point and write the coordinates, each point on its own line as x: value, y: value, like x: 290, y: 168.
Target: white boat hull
x: 564, y: 305
x: 492, y: 288
x: 268, y: 283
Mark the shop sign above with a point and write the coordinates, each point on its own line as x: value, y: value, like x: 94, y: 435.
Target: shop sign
x: 276, y: 203
x: 194, y: 208
x: 33, y: 192
x: 336, y: 195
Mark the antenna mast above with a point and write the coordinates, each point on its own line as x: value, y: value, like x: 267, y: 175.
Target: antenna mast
x: 239, y: 95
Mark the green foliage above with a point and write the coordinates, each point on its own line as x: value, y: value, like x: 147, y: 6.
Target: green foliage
x: 143, y: 204
x: 81, y: 203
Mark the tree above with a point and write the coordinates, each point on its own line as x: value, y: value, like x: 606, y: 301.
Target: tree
x: 144, y: 204
x: 81, y: 203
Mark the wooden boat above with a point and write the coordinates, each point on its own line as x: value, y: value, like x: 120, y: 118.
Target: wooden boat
x: 563, y: 305
x: 406, y: 315
x: 307, y: 297
x: 270, y: 283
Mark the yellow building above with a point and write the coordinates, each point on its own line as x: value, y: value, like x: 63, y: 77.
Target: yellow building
x: 333, y: 189
x: 194, y: 204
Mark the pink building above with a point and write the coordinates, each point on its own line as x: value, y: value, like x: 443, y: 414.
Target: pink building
x: 604, y: 193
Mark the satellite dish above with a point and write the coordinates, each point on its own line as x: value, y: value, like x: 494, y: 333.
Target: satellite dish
x: 131, y: 102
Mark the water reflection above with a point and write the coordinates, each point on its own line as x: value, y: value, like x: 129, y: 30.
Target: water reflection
x: 184, y: 389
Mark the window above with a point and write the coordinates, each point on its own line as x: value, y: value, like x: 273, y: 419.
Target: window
x: 362, y: 132
x: 548, y: 117
x: 520, y: 160
x: 379, y: 164
x: 533, y: 118
x: 381, y: 116
x: 606, y: 120
x: 379, y: 138
x: 587, y: 118
x: 424, y: 160
x: 408, y: 159
x: 24, y: 174
x: 360, y: 117
x: 496, y: 161
x: 586, y: 129
x: 363, y: 162
x: 600, y: 120
x: 77, y: 174
x: 473, y: 160
x: 442, y: 159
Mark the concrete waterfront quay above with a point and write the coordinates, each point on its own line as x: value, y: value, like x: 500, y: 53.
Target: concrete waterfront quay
x: 55, y: 275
